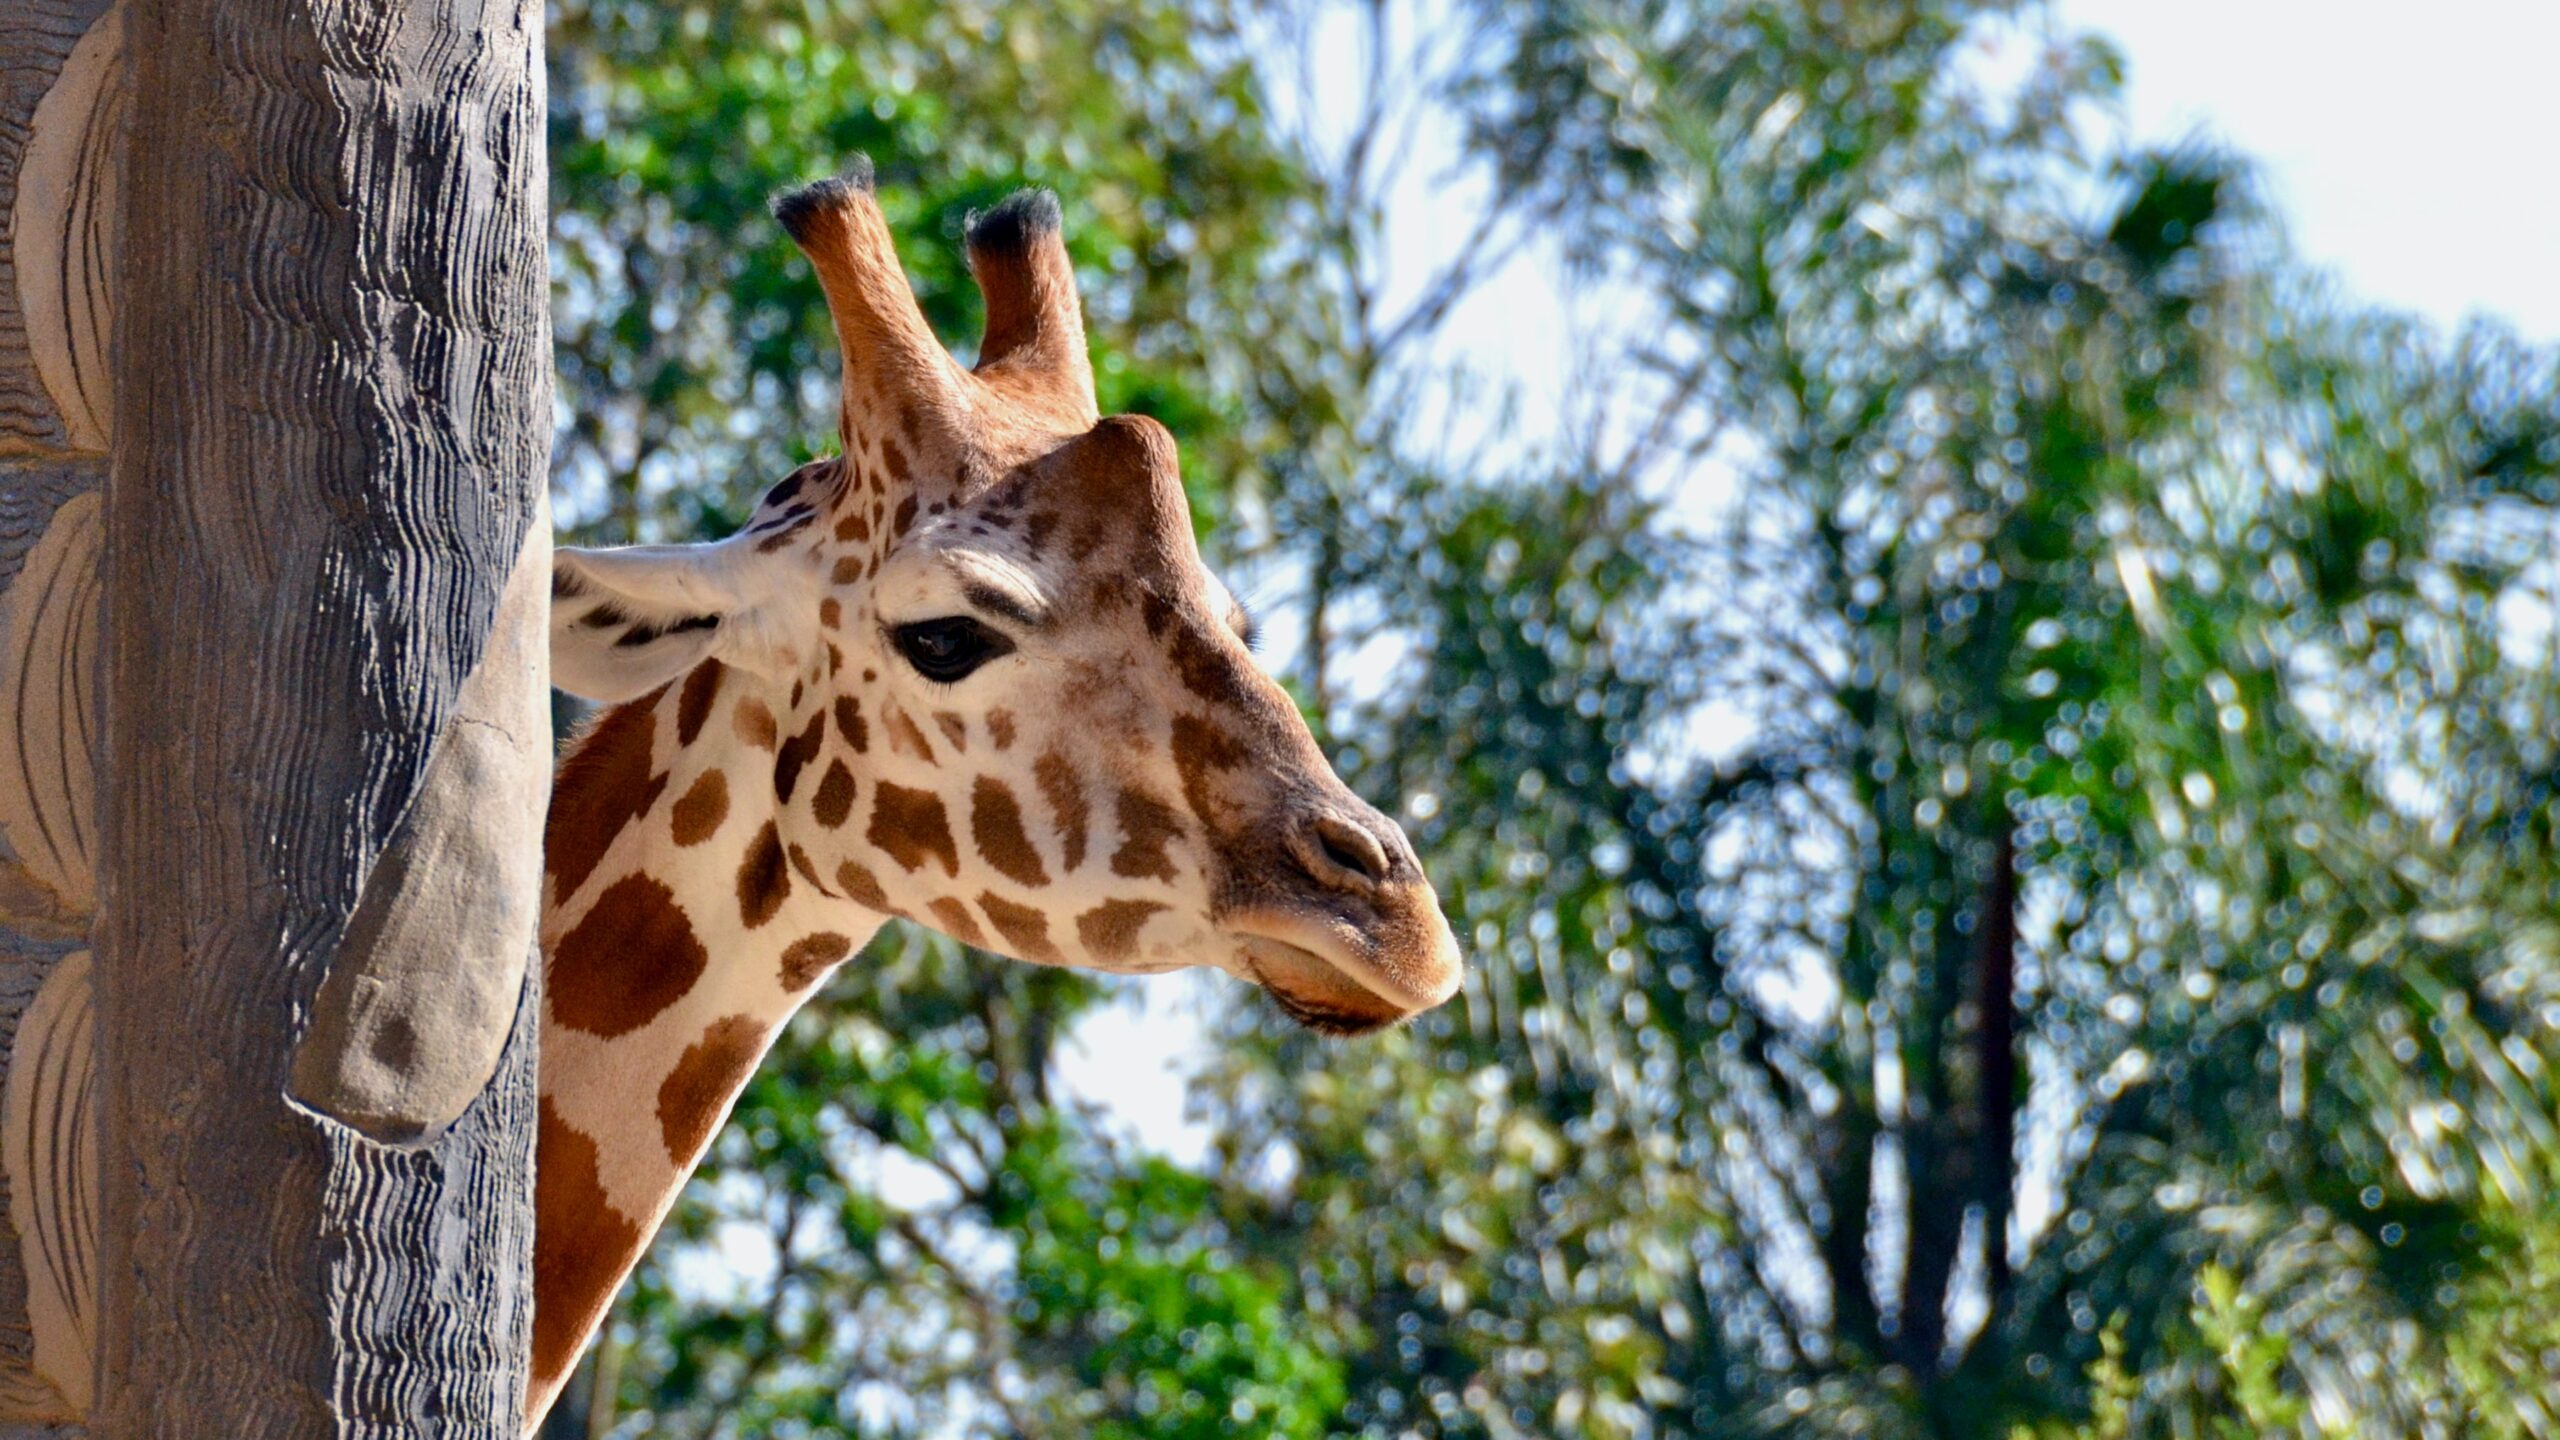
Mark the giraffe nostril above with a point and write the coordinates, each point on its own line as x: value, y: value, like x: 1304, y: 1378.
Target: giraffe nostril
x: 1342, y: 853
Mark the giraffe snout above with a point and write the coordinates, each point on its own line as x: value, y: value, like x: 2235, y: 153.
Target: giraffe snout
x: 1360, y: 943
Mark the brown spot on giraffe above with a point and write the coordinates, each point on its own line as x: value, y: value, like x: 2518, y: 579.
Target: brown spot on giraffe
x: 849, y: 724
x: 853, y: 529
x: 834, y: 800
x: 795, y: 755
x: 1147, y: 825
x: 695, y: 1096
x: 633, y: 955
x: 952, y: 918
x: 1110, y: 930
x: 754, y: 724
x: 1201, y: 752
x: 698, y: 812
x: 847, y: 570
x: 904, y: 737
x: 693, y: 703
x: 1205, y: 668
x: 1060, y: 786
x: 831, y: 613
x: 582, y: 1246
x: 1025, y: 930
x: 605, y: 785
x: 863, y: 888
x: 763, y: 883
x: 808, y: 870
x: 995, y: 821
x: 954, y: 729
x: 909, y: 826
x: 1000, y: 729
x: 811, y: 956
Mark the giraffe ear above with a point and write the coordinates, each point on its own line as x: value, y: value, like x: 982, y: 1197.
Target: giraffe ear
x: 627, y: 620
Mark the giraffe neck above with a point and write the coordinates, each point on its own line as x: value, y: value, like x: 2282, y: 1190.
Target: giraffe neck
x: 676, y: 946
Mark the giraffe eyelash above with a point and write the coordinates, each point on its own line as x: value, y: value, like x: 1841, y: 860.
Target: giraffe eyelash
x: 1248, y: 622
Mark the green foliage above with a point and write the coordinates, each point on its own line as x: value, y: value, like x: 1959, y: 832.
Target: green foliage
x: 2114, y: 620
x: 2246, y: 1358
x: 2112, y: 1392
x: 2504, y: 1350
x: 2036, y: 916
x: 2233, y: 1327
x: 1127, y: 1277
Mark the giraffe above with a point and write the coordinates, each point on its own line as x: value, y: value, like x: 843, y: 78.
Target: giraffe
x: 969, y: 672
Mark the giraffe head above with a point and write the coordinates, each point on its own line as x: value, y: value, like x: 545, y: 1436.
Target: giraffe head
x: 994, y: 687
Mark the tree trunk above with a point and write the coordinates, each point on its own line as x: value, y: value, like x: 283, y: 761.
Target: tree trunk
x: 325, y: 746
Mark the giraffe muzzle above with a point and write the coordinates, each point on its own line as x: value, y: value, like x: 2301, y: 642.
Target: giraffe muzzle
x: 1361, y: 944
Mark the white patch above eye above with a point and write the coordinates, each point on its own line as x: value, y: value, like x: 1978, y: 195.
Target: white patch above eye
x: 929, y: 584
x: 627, y: 620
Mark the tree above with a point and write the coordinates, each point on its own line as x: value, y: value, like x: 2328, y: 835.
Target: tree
x: 322, y: 742
x: 2083, y: 846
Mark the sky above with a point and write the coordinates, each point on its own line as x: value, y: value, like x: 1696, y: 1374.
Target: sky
x: 2409, y: 148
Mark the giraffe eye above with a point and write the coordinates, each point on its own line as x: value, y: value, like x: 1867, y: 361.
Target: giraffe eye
x: 950, y: 649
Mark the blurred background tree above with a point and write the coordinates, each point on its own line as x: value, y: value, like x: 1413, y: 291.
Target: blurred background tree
x: 2000, y: 772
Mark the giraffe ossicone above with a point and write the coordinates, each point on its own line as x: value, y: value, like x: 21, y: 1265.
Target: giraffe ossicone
x: 969, y: 672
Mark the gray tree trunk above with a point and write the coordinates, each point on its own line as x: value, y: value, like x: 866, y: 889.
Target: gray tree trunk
x: 325, y: 743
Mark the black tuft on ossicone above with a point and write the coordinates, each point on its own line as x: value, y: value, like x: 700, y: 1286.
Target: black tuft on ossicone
x: 795, y: 208
x: 1024, y: 215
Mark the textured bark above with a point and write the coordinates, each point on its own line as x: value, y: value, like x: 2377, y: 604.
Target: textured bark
x: 38, y: 923
x: 36, y: 36
x: 332, y: 411
x: 25, y: 959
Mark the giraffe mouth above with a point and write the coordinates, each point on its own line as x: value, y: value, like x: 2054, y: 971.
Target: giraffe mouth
x: 1324, y: 1014
x: 1337, y: 978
